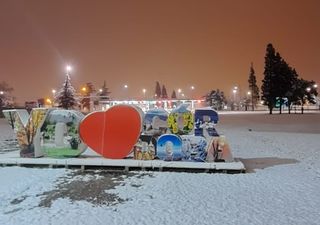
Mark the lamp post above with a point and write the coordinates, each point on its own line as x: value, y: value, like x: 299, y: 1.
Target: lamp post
x: 315, y: 86
x: 179, y: 92
x: 1, y: 100
x: 250, y: 99
x: 192, y: 91
x: 144, y: 93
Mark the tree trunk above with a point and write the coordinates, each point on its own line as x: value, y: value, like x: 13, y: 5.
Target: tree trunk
x: 289, y: 107
x: 302, y: 109
x: 280, y: 111
x: 270, y: 110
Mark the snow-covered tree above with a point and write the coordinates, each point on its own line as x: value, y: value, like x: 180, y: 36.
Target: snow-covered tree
x: 65, y: 97
x: 6, y: 99
x: 216, y: 99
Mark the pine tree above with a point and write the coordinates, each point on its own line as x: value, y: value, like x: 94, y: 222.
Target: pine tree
x: 164, y: 94
x: 173, y: 95
x: 104, y: 92
x: 254, y: 89
x: 216, y: 99
x: 293, y: 84
x: 66, y: 95
x: 157, y: 93
x: 275, y: 84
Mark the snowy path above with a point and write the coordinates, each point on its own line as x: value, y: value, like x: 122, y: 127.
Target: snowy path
x: 286, y: 191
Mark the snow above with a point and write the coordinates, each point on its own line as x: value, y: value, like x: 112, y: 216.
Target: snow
x: 281, y: 152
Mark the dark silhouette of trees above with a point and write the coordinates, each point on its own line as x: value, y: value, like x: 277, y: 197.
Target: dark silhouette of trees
x: 164, y: 94
x: 268, y: 93
x: 305, y: 91
x: 282, y: 82
x: 254, y: 89
x: 157, y: 93
x: 173, y: 95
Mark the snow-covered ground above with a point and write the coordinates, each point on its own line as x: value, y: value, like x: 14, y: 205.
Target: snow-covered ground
x: 282, y: 186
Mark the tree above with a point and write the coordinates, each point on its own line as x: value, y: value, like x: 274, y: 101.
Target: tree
x: 216, y: 99
x: 157, y: 93
x: 278, y: 79
x: 253, y: 87
x: 304, y: 92
x: 5, y: 95
x: 104, y: 92
x: 87, y: 90
x: 268, y: 95
x: 292, y: 92
x: 173, y: 95
x: 66, y: 95
x: 6, y: 99
x: 164, y: 94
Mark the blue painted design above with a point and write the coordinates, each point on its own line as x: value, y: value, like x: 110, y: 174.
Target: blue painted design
x: 169, y: 147
x: 194, y: 148
x: 205, y: 118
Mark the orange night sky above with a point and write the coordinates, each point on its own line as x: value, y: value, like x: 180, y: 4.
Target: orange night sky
x: 207, y: 43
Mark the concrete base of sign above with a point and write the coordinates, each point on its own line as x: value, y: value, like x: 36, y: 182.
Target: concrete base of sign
x: 89, y: 161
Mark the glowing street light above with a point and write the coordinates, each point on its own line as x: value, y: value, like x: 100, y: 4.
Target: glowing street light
x: 100, y: 90
x: 48, y: 100
x: 308, y: 89
x: 315, y: 85
x: 68, y: 69
x: 1, y: 93
x: 179, y: 90
x: 125, y: 86
x: 249, y: 93
x: 54, y: 91
x: 144, y: 92
x: 84, y: 89
x: 192, y: 87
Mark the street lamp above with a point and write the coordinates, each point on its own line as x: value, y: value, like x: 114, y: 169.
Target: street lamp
x: 1, y: 93
x: 234, y: 91
x: 144, y: 92
x: 179, y: 92
x: 68, y: 69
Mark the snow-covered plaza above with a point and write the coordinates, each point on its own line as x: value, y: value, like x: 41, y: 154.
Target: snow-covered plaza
x: 281, y: 154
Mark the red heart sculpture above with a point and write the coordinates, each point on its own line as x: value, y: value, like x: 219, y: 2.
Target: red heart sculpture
x: 112, y: 133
